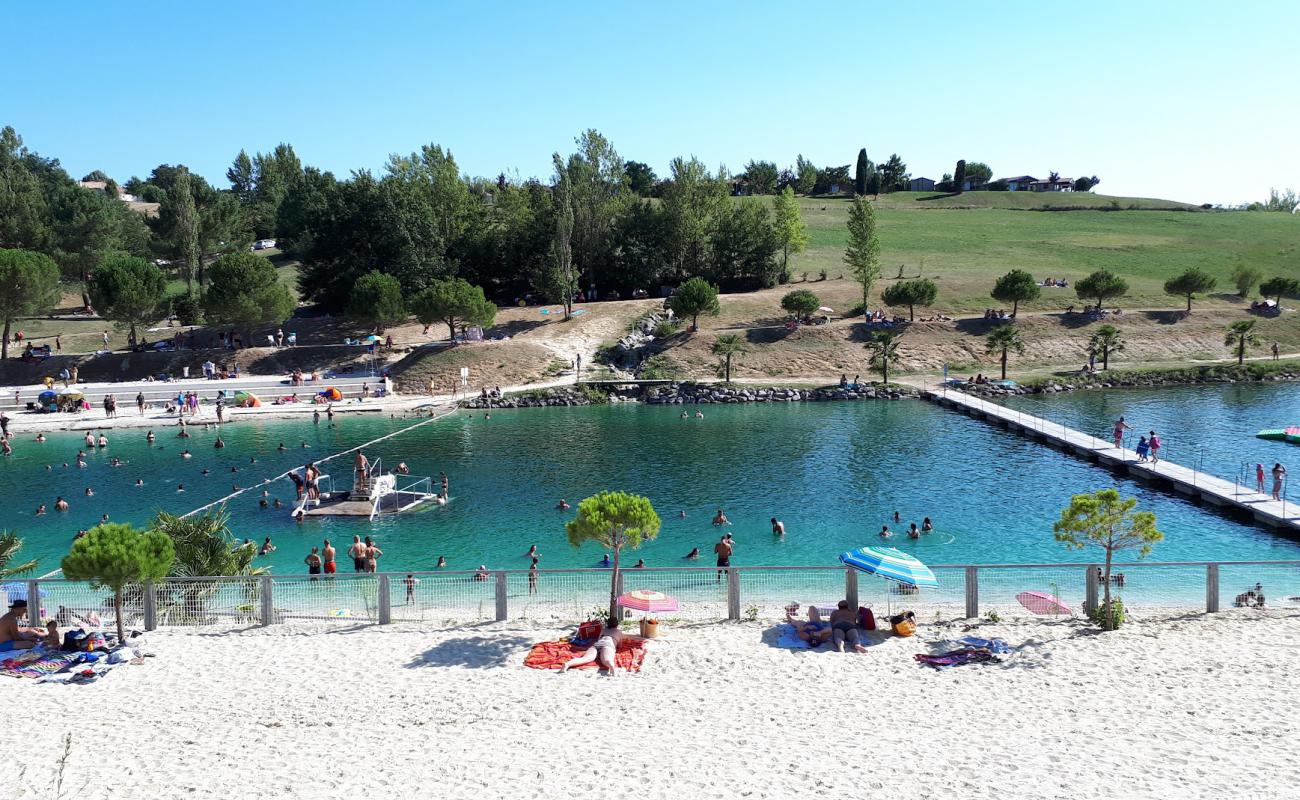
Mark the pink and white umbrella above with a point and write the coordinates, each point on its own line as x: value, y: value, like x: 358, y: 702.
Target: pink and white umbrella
x: 647, y: 600
x: 1043, y: 603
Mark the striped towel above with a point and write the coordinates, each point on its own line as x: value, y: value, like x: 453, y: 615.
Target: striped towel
x: 44, y: 664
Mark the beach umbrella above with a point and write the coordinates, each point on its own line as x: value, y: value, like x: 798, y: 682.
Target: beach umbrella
x: 890, y: 563
x: 72, y: 392
x: 372, y: 338
x: 1042, y: 603
x: 18, y: 591
x: 332, y: 393
x: 648, y: 601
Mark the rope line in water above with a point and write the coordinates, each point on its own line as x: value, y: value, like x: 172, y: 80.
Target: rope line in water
x: 447, y: 411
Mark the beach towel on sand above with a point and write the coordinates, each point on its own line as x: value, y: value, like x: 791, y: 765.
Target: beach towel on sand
x: 552, y: 655
x: 956, y: 658
x: 45, y: 664
x: 788, y: 639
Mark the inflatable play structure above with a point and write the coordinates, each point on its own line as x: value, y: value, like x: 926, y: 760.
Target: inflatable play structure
x: 1291, y: 434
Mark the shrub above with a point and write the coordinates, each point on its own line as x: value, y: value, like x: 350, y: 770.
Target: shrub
x: 1098, y: 614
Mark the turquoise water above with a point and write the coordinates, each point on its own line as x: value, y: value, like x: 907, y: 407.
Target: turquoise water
x: 833, y: 472
x: 1211, y: 428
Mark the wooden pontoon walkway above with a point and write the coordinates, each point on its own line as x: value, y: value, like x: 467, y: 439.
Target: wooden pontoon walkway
x: 1280, y: 514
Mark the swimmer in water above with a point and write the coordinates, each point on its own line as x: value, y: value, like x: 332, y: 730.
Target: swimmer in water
x: 685, y: 415
x: 884, y: 532
x: 563, y: 505
x: 219, y: 443
x: 897, y: 517
x: 263, y: 504
x: 148, y: 437
x: 40, y: 510
x: 442, y: 561
x: 532, y: 552
x: 180, y: 487
x: 305, y: 445
x: 40, y: 437
x: 59, y: 504
x: 206, y: 472
x: 699, y: 415
x: 604, y: 562
x: 89, y: 492
x: 914, y: 532
x: 778, y: 528
x: 694, y: 554
x: 281, y: 448
x: 186, y: 454
x: 721, y: 518
x: 103, y: 440
x: 926, y: 525
x: 252, y: 460
x: 139, y: 482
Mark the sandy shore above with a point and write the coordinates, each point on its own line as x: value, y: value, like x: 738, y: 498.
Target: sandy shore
x: 1182, y: 707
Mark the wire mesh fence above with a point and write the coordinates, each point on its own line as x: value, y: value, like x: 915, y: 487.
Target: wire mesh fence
x: 703, y: 594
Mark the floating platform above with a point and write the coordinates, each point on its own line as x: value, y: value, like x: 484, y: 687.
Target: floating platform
x: 342, y: 504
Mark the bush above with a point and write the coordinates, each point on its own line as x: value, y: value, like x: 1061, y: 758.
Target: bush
x: 1098, y: 614
x: 665, y: 329
x: 659, y: 368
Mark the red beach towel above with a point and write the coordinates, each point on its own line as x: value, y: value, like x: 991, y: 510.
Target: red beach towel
x: 552, y: 655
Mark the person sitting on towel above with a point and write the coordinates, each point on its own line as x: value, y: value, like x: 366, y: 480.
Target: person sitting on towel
x: 844, y: 627
x: 814, y: 630
x: 14, y: 636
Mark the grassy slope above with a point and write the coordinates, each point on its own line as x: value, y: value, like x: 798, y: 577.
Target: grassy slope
x: 964, y: 250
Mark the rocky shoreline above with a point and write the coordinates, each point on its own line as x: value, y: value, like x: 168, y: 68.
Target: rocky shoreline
x: 691, y: 394
x: 1149, y: 380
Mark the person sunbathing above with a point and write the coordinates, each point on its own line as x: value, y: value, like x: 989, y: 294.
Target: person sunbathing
x: 814, y: 630
x: 844, y: 628
x: 603, y: 651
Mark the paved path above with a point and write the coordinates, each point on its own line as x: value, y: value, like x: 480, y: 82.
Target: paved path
x: 1281, y: 514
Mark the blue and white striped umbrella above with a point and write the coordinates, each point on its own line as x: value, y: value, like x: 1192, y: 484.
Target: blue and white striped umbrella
x: 890, y: 563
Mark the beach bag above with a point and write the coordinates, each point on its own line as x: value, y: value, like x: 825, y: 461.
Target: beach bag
x: 866, y: 620
x: 905, y: 628
x: 587, y: 633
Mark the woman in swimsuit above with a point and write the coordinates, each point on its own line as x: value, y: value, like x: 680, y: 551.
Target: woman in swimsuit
x: 815, y: 630
x: 602, y: 651
x: 926, y: 525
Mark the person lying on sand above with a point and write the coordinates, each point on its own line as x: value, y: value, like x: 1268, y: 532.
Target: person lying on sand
x: 602, y: 651
x: 844, y: 628
x: 814, y: 630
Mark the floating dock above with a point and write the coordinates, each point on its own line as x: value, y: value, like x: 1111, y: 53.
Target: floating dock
x: 1211, y: 489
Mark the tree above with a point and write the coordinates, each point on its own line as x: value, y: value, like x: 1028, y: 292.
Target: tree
x: 883, y: 346
x: 556, y: 277
x: 978, y: 171
x: 693, y: 202
x: 245, y: 292
x: 454, y: 302
x: 744, y: 247
x: 1104, y: 519
x: 831, y: 178
x: 1106, y: 340
x: 128, y: 291
x: 791, y: 233
x: 10, y: 544
x: 598, y: 192
x: 377, y: 301
x: 762, y: 177
x: 614, y: 520
x: 800, y: 303
x: 640, y: 178
x: 861, y: 173
x: 959, y: 177
x: 185, y: 233
x: 1002, y: 340
x: 805, y: 175
x: 1245, y: 278
x: 1240, y: 335
x: 29, y: 286
x: 913, y: 293
x: 1086, y: 184
x: 113, y: 555
x: 863, y: 253
x: 1015, y: 287
x: 726, y: 346
x: 203, y: 547
x: 1280, y: 287
x: 1101, y: 286
x: 1191, y: 282
x: 693, y: 298
x: 893, y: 174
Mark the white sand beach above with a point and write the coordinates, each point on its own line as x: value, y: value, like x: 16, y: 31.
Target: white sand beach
x: 1179, y: 707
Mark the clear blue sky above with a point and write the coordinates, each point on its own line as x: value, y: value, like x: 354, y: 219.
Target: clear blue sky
x: 1190, y: 100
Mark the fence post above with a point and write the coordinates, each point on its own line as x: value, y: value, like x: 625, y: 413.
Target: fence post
x: 1090, y: 588
x: 34, y: 604
x: 733, y: 593
x: 1211, y: 588
x: 972, y: 592
x: 267, y: 606
x: 851, y: 586
x: 503, y: 602
x: 385, y: 601
x: 150, y: 606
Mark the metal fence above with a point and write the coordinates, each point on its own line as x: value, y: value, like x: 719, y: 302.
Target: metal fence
x: 705, y: 593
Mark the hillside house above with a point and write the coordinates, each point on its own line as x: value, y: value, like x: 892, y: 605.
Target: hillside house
x: 973, y: 183
x: 1049, y: 185
x: 920, y: 185
x: 1020, y: 183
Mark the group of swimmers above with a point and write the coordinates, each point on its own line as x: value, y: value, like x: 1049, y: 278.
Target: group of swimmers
x: 913, y: 532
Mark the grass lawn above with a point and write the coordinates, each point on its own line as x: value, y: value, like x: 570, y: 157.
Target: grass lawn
x: 965, y: 249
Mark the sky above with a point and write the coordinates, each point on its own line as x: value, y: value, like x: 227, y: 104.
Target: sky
x: 1193, y: 101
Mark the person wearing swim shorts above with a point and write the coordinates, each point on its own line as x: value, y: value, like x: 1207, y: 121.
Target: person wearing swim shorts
x: 14, y: 636
x: 359, y: 551
x: 724, y: 548
x: 844, y: 628
x: 328, y: 555
x: 313, y: 563
x: 603, y: 651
